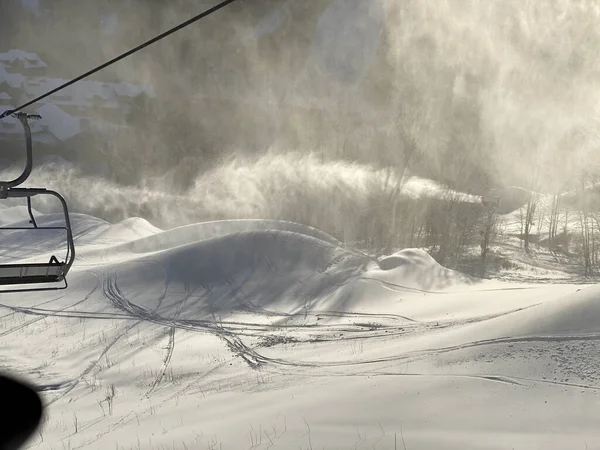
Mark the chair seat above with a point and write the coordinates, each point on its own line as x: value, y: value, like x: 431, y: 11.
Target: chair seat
x: 51, y: 272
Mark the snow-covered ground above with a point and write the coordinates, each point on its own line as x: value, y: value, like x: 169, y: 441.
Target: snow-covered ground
x: 265, y: 334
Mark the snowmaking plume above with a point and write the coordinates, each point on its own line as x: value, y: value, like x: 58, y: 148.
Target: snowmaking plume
x: 287, y: 186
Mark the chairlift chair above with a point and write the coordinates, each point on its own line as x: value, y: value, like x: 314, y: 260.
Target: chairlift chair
x: 53, y: 273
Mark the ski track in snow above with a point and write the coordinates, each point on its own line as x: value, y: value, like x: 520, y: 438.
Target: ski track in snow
x: 170, y: 344
x: 255, y: 360
x: 94, y: 364
x: 43, y: 314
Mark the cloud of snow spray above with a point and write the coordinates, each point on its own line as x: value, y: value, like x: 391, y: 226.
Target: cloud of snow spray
x: 485, y: 75
x: 288, y: 186
x: 461, y: 74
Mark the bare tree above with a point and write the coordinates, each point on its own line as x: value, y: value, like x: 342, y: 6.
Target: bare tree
x: 489, y: 222
x: 585, y: 229
x: 553, y: 220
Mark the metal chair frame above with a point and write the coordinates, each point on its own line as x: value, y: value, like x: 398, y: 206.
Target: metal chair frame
x: 54, y: 271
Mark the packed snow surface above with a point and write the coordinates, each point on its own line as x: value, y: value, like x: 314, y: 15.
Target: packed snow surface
x: 266, y: 334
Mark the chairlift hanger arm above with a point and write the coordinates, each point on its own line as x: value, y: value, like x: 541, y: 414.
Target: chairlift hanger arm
x: 5, y: 185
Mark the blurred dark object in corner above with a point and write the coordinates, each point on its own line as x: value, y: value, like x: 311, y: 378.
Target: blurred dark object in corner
x: 21, y: 412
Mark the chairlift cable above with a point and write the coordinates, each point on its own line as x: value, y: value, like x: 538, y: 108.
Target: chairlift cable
x: 194, y: 19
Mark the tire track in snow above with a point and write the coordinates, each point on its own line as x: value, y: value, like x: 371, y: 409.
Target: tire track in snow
x: 365, y: 315
x: 132, y: 414
x: 118, y: 299
x: 561, y: 383
x: 507, y: 340
x: 421, y: 354
x: 43, y: 316
x: 513, y: 380
x: 68, y: 314
x: 396, y: 287
x: 170, y: 345
x: 95, y: 363
x: 249, y: 354
x: 214, y: 327
x: 111, y: 292
x: 166, y: 360
x: 60, y: 297
x: 253, y: 358
x: 115, y: 295
x: 233, y: 342
x: 221, y: 330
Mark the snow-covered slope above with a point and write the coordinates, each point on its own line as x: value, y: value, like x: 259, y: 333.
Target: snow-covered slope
x: 264, y: 334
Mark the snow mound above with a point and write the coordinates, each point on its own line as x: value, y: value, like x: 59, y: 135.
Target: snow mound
x: 408, y: 257
x: 12, y: 214
x: 127, y: 230
x: 574, y: 314
x: 543, y: 321
x: 265, y: 271
x: 209, y: 230
x: 416, y: 269
x: 31, y: 244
